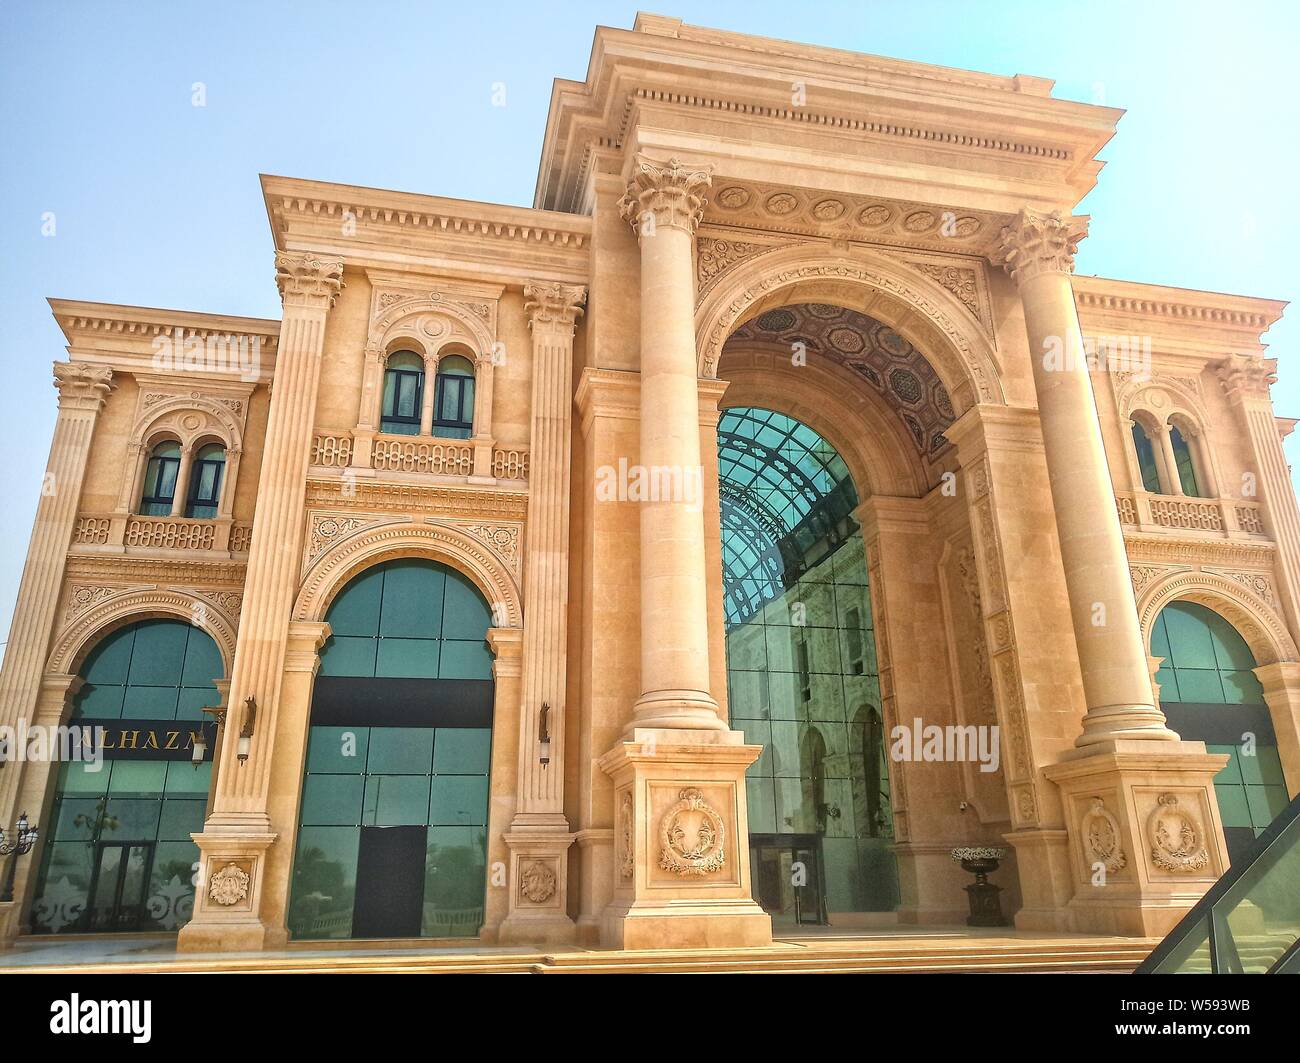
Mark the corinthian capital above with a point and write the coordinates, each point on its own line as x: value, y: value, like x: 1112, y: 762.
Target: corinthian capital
x: 553, y: 306
x: 1247, y: 376
x: 81, y: 386
x: 1039, y: 242
x: 308, y: 280
x: 668, y: 194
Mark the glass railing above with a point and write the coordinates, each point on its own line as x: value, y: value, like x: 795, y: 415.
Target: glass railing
x: 1249, y: 921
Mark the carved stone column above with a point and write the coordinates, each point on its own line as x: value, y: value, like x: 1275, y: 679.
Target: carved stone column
x: 1246, y: 381
x: 427, y: 396
x: 1281, y: 683
x: 83, y: 390
x: 227, y: 910
x: 1142, y: 821
x: 539, y: 836
x: 1038, y: 251
x: 664, y: 205
x: 1166, y: 444
x: 182, y: 488
x: 681, y: 851
x: 483, y: 440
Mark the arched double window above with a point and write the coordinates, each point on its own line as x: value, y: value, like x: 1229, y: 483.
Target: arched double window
x: 1169, y: 459
x: 160, y: 475
x: 205, y: 482
x: 403, y: 394
x: 453, y: 413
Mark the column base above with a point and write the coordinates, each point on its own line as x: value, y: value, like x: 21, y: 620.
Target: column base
x: 538, y: 883
x: 681, y: 842
x: 1145, y: 839
x: 688, y: 710
x: 228, y: 901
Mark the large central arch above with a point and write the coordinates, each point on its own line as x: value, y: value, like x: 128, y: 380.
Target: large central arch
x: 918, y: 308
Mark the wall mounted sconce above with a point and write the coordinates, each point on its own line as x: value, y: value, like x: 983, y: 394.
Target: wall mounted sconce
x: 544, y: 735
x: 246, y: 732
x: 200, y: 750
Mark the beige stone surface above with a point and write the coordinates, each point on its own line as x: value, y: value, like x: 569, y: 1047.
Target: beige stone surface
x: 685, y: 192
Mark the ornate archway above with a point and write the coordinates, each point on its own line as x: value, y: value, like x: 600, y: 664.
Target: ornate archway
x: 919, y: 309
x: 448, y: 543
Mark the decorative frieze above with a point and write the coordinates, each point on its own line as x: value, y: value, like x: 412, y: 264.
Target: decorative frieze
x: 442, y: 500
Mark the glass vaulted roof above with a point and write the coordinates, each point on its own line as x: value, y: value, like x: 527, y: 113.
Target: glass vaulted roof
x: 786, y: 500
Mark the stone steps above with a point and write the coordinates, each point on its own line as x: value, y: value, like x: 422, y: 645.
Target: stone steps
x: 841, y: 956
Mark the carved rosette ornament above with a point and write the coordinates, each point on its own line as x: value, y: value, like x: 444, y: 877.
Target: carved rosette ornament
x: 554, y: 307
x: 1175, y: 837
x: 671, y: 193
x: 308, y: 280
x: 82, y: 386
x: 1101, y: 837
x: 1038, y: 242
x: 229, y: 885
x: 691, y: 836
x: 537, y: 882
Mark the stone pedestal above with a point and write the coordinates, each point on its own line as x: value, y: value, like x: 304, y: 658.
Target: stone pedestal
x: 228, y: 901
x: 1145, y: 837
x: 681, y: 842
x: 538, y: 880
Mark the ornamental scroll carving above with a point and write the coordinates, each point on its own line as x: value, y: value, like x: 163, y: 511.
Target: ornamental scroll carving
x: 691, y: 836
x: 1101, y: 837
x: 1175, y: 837
x: 229, y: 885
x: 627, y: 861
x: 671, y: 193
x: 1040, y: 242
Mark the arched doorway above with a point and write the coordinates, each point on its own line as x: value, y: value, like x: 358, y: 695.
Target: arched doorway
x: 801, y: 667
x: 119, y: 855
x: 392, y: 834
x: 1209, y: 693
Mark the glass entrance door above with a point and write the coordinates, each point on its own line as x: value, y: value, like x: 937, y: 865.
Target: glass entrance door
x: 787, y: 874
x: 118, y: 885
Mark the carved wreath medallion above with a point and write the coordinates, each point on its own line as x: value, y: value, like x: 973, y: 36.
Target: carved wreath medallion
x: 229, y: 885
x: 691, y: 836
x: 1101, y: 837
x: 537, y: 882
x: 1175, y: 838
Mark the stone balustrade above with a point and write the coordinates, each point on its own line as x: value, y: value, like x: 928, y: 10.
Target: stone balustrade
x: 1218, y: 516
x: 117, y: 534
x: 417, y: 454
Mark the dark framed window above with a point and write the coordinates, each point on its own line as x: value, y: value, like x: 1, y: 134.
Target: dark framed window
x: 1183, y: 459
x: 205, y: 482
x: 453, y: 400
x: 1146, y: 456
x: 403, y: 394
x: 159, y: 491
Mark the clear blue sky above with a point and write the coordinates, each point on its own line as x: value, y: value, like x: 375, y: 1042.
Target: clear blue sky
x: 157, y: 201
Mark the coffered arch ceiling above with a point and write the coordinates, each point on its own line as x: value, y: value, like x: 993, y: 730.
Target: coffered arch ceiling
x: 877, y: 355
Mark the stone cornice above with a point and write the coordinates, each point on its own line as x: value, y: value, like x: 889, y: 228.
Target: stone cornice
x: 701, y: 76
x: 83, y: 323
x: 1172, y: 549
x: 448, y: 236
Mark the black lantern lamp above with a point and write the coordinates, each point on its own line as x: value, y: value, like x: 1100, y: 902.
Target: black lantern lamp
x: 23, y: 844
x: 201, y: 742
x: 544, y: 735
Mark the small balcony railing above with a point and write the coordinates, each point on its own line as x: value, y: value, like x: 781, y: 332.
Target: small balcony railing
x: 1225, y: 517
x: 118, y: 533
x: 408, y: 454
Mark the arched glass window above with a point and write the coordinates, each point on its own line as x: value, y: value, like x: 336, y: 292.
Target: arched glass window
x: 119, y: 856
x: 453, y: 401
x: 1209, y: 693
x: 1146, y: 456
x: 801, y: 663
x: 160, y: 480
x: 403, y: 394
x: 205, y: 482
x: 392, y: 838
x: 1183, y: 459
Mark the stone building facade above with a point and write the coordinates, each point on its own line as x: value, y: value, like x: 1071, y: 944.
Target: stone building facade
x: 494, y: 557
